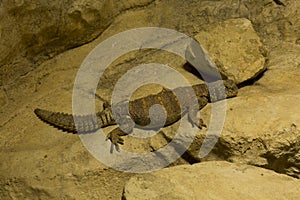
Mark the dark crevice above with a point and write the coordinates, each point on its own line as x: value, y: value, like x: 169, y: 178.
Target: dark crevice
x: 188, y: 157
x: 190, y: 68
x: 278, y: 2
x: 136, y: 7
x: 251, y: 81
x: 280, y: 165
x: 180, y: 150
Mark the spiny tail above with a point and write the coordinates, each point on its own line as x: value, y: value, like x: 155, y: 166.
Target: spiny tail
x: 84, y: 124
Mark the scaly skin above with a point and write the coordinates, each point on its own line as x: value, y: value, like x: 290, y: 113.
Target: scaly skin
x: 139, y: 111
x: 85, y: 124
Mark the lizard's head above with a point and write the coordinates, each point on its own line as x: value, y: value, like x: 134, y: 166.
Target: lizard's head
x: 216, y: 90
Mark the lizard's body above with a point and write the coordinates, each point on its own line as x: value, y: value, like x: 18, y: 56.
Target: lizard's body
x: 139, y: 111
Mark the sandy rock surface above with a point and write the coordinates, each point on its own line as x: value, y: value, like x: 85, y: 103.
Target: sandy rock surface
x: 39, y: 61
x: 212, y: 180
x: 235, y: 46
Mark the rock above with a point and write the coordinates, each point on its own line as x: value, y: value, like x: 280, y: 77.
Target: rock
x: 235, y: 47
x: 283, y: 149
x: 3, y: 98
x: 280, y: 59
x: 262, y: 123
x: 288, y: 27
x: 45, y: 29
x: 38, y: 161
x: 200, y: 59
x: 212, y: 180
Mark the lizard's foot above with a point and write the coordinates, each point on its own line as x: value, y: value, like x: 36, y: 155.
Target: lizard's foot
x: 192, y: 115
x: 115, y: 137
x: 125, y: 127
x: 105, y: 104
x: 201, y: 124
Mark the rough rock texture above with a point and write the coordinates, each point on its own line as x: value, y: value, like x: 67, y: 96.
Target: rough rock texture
x: 43, y: 29
x: 262, y: 123
x: 235, y: 48
x: 212, y: 180
x: 39, y: 162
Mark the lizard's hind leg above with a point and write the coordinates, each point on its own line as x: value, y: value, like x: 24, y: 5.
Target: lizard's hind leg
x: 193, y: 118
x: 105, y: 103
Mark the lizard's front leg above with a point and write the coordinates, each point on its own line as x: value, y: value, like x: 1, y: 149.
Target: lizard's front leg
x: 115, y: 137
x: 126, y: 126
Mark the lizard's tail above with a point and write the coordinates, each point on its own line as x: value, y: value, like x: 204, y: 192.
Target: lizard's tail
x: 65, y: 122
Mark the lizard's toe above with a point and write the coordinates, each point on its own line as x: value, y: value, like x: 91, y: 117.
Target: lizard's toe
x: 195, y: 121
x: 115, y: 136
x: 201, y: 124
x: 115, y: 139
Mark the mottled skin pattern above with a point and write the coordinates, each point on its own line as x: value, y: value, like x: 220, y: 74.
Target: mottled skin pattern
x: 175, y: 102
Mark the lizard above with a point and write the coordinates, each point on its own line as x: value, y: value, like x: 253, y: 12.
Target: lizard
x: 138, y: 111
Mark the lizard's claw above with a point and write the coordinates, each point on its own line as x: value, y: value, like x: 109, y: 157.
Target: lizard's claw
x: 195, y: 120
x: 201, y: 124
x: 115, y: 137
